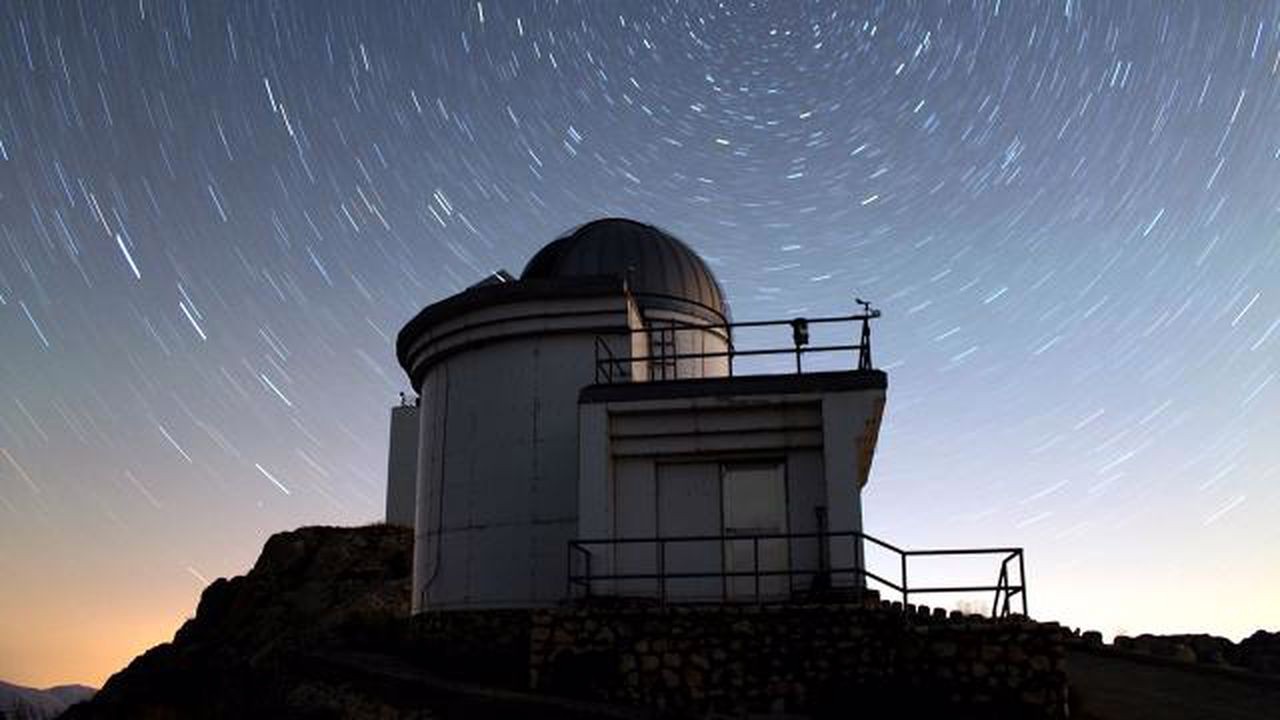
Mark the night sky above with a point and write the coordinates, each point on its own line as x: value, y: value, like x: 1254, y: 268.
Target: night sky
x: 214, y: 220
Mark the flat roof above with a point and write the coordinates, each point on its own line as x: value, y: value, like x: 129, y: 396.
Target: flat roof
x: 780, y: 384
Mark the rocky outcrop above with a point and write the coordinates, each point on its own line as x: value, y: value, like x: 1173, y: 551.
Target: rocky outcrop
x: 1259, y: 653
x: 245, y: 653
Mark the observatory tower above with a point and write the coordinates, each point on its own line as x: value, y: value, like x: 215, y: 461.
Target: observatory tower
x: 598, y: 426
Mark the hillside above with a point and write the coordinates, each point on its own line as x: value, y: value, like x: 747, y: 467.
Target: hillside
x: 241, y: 654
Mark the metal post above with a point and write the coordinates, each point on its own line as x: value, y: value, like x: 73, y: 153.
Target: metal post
x: 824, y: 579
x: 662, y: 573
x: 589, y: 580
x: 904, y: 582
x: 1022, y: 582
x: 1002, y: 582
x: 864, y: 349
x: 755, y: 563
x: 597, y: 351
x: 791, y: 577
x: 864, y: 354
x: 799, y: 336
x: 724, y: 579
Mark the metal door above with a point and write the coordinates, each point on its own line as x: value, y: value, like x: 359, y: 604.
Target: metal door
x: 755, y: 503
x: 688, y: 507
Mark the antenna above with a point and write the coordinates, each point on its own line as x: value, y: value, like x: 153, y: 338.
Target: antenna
x: 864, y: 347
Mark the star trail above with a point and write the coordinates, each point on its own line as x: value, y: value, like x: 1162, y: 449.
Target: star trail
x: 214, y: 218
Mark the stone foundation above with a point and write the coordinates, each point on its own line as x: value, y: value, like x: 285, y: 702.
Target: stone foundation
x: 817, y: 660
x: 811, y: 659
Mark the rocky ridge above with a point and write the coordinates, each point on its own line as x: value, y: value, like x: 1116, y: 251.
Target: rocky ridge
x: 244, y: 654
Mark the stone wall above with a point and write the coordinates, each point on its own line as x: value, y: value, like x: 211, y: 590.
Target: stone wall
x: 811, y: 659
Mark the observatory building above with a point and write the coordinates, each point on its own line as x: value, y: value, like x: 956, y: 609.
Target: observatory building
x: 600, y: 426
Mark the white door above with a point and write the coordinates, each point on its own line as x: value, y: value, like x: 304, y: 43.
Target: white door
x: 755, y: 503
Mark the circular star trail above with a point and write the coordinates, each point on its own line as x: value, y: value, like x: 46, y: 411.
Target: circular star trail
x: 215, y: 218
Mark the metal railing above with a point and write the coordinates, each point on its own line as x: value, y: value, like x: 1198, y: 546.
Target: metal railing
x: 663, y: 358
x: 586, y: 577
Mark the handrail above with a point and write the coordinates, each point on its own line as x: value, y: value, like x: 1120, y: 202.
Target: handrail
x: 871, y: 315
x: 610, y: 362
x: 1005, y: 590
x: 668, y: 358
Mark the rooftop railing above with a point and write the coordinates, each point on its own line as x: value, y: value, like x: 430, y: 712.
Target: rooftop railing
x: 667, y: 570
x: 664, y: 357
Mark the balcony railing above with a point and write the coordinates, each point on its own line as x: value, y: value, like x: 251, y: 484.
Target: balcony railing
x: 596, y: 570
x: 663, y: 359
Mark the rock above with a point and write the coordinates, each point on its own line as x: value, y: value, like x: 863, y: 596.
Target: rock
x: 238, y: 657
x: 944, y: 649
x: 1181, y: 652
x: 1260, y: 652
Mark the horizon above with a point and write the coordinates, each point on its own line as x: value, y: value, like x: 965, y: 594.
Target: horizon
x: 214, y: 220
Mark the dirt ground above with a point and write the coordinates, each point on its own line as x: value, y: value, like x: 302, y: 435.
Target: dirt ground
x: 1115, y: 688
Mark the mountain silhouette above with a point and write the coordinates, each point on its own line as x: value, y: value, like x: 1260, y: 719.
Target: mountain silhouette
x: 24, y: 703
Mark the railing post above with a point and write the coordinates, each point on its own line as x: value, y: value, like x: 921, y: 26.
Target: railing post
x: 791, y: 580
x: 824, y: 580
x: 755, y: 563
x: 905, y: 593
x: 1002, y: 583
x: 590, y: 581
x: 864, y: 349
x: 662, y: 573
x: 724, y: 579
x: 1022, y: 583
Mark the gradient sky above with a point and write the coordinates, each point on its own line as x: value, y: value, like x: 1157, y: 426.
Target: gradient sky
x: 214, y: 219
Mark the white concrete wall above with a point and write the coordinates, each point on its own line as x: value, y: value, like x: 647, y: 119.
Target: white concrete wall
x: 499, y: 459
x: 653, y: 468
x: 850, y: 426
x: 402, y: 466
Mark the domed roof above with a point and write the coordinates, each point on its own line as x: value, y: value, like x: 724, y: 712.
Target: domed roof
x: 656, y: 265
